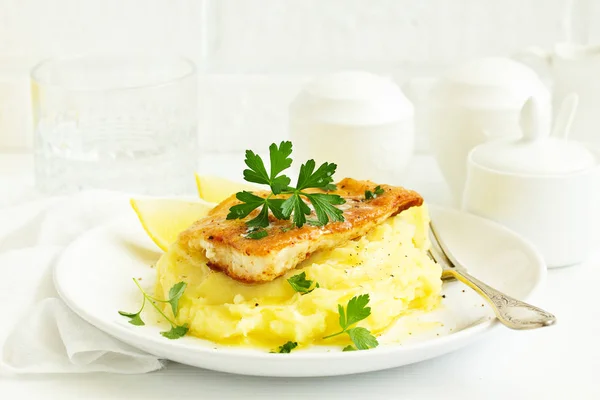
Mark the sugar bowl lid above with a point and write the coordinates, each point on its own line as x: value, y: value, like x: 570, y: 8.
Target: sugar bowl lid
x: 352, y: 98
x: 538, y: 151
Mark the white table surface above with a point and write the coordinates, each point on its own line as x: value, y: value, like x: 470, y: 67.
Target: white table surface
x: 561, y: 362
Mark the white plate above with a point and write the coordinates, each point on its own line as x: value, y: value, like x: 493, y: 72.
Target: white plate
x: 94, y: 275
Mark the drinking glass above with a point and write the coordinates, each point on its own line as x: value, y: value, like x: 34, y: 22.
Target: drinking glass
x: 124, y: 123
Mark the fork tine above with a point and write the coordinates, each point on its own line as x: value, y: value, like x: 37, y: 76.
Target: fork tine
x: 436, y: 249
x: 441, y: 247
x: 437, y: 253
x: 446, y: 275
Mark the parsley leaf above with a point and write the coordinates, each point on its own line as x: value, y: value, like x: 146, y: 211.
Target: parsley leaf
x: 275, y: 205
x: 134, y: 318
x: 176, y: 331
x: 313, y: 222
x: 257, y: 235
x: 137, y: 321
x: 280, y: 161
x: 257, y: 172
x: 128, y: 314
x: 325, y: 209
x: 356, y: 310
x: 342, y: 319
x: 349, y: 348
x: 362, y: 338
x: 294, y: 204
x: 320, y: 179
x: 250, y: 202
x: 324, y: 204
x: 262, y: 219
x: 287, y: 347
x: 175, y: 294
x: 300, y: 284
x: 376, y: 193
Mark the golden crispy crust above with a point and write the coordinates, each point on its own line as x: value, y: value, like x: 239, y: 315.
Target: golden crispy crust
x: 219, y: 236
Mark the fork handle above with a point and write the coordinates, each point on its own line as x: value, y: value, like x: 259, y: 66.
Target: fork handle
x: 511, y: 312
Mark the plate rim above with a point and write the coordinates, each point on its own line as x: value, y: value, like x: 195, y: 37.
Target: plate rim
x: 128, y: 336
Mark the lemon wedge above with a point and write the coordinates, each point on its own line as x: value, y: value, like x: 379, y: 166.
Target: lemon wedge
x: 216, y: 189
x: 164, y: 219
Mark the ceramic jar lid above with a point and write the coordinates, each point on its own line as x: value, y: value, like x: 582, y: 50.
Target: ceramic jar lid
x: 536, y: 151
x: 352, y: 98
x: 489, y: 83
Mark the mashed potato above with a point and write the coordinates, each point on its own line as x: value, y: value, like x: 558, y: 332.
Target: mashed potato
x: 390, y: 264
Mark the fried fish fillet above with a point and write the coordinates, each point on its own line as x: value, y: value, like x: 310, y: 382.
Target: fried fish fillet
x: 263, y: 260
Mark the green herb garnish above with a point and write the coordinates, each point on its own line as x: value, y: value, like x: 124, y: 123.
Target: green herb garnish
x: 356, y: 311
x: 295, y: 205
x: 256, y: 235
x: 375, y: 193
x: 300, y: 284
x: 286, y: 348
x: 175, y: 294
x: 313, y: 222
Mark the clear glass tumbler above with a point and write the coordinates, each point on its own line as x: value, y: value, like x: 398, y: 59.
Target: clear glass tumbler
x: 123, y: 123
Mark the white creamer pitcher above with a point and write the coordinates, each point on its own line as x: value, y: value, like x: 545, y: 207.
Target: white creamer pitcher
x: 473, y: 103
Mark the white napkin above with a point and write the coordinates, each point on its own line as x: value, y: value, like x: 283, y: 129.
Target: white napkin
x: 43, y: 334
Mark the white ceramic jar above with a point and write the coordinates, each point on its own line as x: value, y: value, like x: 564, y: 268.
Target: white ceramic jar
x: 358, y: 120
x: 545, y: 188
x: 477, y: 101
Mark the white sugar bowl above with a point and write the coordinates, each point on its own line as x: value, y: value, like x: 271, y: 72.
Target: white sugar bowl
x: 358, y: 120
x: 540, y: 185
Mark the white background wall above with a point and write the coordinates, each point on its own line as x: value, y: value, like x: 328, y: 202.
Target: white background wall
x: 255, y: 54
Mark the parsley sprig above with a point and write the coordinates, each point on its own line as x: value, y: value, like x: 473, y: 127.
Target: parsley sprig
x: 256, y: 233
x: 295, y: 205
x: 356, y: 310
x: 378, y: 191
x: 302, y: 285
x: 175, y: 294
x: 287, y: 347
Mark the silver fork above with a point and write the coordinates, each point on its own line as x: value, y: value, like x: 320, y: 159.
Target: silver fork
x: 511, y: 312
